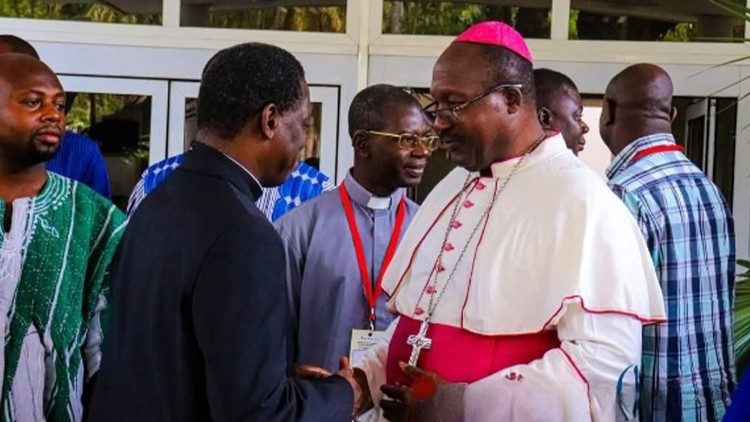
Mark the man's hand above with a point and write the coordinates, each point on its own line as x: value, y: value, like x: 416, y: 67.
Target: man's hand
x: 358, y: 380
x: 423, y: 386
x: 310, y: 372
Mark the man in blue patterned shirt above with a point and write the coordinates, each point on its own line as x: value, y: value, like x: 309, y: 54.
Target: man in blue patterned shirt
x: 305, y: 182
x: 688, y: 364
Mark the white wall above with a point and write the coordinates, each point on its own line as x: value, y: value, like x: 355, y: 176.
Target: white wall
x: 595, y: 154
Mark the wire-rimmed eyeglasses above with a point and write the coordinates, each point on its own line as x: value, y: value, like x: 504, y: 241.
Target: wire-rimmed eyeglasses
x: 407, y: 140
x: 450, y: 114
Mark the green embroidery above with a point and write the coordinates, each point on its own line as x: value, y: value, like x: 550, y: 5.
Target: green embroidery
x: 73, y: 238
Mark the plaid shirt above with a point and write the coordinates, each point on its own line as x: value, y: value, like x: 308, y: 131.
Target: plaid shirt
x: 688, y: 362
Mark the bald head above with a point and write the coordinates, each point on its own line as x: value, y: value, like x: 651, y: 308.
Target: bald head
x: 644, y: 89
x: 637, y: 103
x: 14, y: 44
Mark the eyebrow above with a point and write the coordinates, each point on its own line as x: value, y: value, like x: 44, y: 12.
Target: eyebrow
x: 37, y: 91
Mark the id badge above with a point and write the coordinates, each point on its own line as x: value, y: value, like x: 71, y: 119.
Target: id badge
x: 362, y: 340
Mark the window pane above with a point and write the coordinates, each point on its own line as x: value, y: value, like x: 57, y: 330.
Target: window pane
x: 121, y: 126
x: 285, y: 15
x: 144, y: 12
x: 311, y: 153
x: 726, y: 128
x: 647, y: 20
x: 423, y: 17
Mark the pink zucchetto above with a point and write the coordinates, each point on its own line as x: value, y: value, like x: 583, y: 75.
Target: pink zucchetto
x: 499, y: 34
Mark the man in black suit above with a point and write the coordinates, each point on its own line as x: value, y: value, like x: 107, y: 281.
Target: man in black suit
x: 200, y: 326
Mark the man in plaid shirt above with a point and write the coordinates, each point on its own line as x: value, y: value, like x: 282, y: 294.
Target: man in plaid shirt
x: 688, y: 364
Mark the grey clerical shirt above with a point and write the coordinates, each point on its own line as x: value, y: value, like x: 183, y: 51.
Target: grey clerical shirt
x: 325, y: 286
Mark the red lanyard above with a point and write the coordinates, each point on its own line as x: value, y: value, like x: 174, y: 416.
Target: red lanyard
x: 655, y: 150
x: 371, y: 292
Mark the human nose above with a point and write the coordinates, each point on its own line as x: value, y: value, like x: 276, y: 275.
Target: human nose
x: 584, y: 128
x: 51, y: 113
x: 420, y: 149
x: 441, y: 123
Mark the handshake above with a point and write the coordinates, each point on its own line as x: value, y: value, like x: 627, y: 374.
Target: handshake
x: 403, y: 399
x: 355, y: 376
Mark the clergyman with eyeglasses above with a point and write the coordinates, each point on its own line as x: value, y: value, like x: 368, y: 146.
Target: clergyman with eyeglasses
x: 339, y: 244
x: 518, y: 298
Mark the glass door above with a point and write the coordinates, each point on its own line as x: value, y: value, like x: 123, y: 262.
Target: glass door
x: 710, y: 139
x: 125, y: 117
x: 699, y: 133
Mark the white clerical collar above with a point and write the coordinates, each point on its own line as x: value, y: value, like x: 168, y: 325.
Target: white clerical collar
x: 363, y: 197
x: 243, y: 168
x: 379, y: 203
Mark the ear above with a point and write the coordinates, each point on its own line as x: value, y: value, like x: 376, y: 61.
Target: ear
x: 512, y: 100
x: 361, y: 145
x: 545, y: 117
x: 673, y: 114
x: 270, y: 121
x: 609, y: 109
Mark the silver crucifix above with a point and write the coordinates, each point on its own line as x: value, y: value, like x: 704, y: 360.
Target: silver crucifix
x: 418, y: 342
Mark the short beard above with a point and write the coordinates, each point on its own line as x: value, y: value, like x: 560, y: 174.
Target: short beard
x: 37, y: 154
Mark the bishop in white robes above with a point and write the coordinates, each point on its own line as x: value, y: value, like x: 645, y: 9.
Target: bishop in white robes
x: 522, y: 284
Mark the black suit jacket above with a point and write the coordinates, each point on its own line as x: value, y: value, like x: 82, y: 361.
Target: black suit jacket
x: 199, y: 325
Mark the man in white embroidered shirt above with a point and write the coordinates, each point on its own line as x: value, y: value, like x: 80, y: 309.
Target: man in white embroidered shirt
x: 518, y: 298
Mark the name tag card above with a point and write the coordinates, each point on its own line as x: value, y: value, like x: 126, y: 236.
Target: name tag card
x: 362, y: 340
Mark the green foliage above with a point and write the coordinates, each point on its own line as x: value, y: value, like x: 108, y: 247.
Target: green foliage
x: 313, y: 19
x: 742, y: 315
x: 96, y: 12
x: 682, y: 32
x: 322, y: 19
x: 432, y: 17
x: 452, y: 17
x: 573, y: 25
x: 88, y: 109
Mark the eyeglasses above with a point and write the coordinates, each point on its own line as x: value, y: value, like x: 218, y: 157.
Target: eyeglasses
x: 450, y: 114
x: 407, y: 140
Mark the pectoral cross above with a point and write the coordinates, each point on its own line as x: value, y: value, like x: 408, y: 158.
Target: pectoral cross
x: 418, y: 342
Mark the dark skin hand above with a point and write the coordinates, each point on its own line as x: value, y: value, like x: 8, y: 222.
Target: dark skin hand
x: 356, y: 378
x: 311, y: 372
x: 403, y: 398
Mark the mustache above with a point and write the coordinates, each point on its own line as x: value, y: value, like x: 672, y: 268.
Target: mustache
x: 49, y: 130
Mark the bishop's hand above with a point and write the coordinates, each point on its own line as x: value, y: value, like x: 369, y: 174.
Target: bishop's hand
x: 404, y: 399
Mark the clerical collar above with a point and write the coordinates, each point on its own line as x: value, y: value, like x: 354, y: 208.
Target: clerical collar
x: 551, y: 145
x: 243, y: 168
x: 363, y: 197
